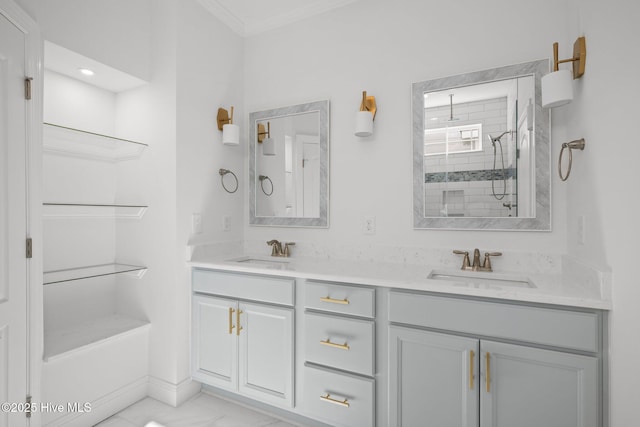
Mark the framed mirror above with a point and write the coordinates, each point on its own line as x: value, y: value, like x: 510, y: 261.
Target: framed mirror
x: 481, y: 151
x: 289, y: 166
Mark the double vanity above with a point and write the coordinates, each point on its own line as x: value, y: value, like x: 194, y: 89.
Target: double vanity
x: 415, y: 342
x: 351, y: 343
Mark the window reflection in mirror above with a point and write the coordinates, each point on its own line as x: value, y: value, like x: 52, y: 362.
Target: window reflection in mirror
x: 478, y: 158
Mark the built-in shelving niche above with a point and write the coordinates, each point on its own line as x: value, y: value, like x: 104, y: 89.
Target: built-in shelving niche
x: 95, y: 188
x: 80, y: 273
x: 79, y: 143
x: 59, y: 342
x: 70, y: 142
x: 64, y: 341
x: 95, y: 211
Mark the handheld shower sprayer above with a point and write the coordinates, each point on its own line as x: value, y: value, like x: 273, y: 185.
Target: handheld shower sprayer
x: 493, y: 175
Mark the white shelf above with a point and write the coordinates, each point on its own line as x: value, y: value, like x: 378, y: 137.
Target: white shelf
x: 78, y: 143
x: 61, y: 342
x: 71, y: 274
x: 92, y: 211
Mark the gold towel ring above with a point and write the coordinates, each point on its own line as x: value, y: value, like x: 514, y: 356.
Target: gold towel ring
x: 578, y: 144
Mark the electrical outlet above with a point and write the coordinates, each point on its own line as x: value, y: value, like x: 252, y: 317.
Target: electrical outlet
x: 369, y: 225
x: 582, y: 230
x: 196, y: 223
x: 226, y: 223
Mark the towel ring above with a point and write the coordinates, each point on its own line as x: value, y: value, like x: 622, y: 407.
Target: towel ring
x: 222, y: 173
x: 578, y: 144
x: 262, y: 179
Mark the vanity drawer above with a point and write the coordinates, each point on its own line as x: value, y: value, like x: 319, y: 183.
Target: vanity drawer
x: 350, y: 345
x: 339, y: 298
x: 340, y: 400
x: 277, y: 290
x: 555, y: 327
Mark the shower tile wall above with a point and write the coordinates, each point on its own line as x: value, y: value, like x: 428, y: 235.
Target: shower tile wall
x: 469, y: 194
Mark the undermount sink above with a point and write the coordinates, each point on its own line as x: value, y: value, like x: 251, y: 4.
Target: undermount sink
x: 481, y: 279
x: 263, y: 262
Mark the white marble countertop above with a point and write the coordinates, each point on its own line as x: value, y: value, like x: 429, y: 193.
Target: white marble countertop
x: 565, y: 289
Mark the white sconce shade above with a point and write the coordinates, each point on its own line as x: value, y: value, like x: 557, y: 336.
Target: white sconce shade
x: 231, y: 134
x: 268, y: 147
x: 557, y: 88
x: 364, y: 123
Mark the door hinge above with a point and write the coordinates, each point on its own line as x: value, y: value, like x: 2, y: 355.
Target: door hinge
x: 29, y: 251
x: 28, y: 411
x: 27, y: 88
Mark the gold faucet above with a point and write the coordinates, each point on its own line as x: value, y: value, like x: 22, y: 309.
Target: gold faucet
x: 277, y: 250
x: 475, y: 265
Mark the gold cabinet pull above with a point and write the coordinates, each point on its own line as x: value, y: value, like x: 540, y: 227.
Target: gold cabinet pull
x: 328, y: 343
x: 487, y: 376
x: 328, y: 398
x: 231, y: 326
x: 238, y: 327
x: 334, y: 301
x: 472, y: 355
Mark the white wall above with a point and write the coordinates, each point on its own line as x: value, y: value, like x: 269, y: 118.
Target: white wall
x: 603, y: 184
x: 209, y: 76
x: 383, y: 47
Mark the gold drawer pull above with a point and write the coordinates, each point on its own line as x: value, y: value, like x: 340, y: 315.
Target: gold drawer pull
x: 328, y: 342
x: 487, y: 376
x: 238, y: 327
x: 328, y: 398
x: 472, y: 355
x: 335, y: 301
x: 231, y: 326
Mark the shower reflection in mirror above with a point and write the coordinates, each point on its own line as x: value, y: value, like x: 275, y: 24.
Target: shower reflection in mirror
x: 477, y: 158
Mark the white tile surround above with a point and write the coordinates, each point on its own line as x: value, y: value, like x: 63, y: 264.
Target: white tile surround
x: 202, y: 410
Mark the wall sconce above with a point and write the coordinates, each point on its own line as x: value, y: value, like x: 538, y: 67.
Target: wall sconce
x: 557, y: 87
x: 366, y: 115
x: 264, y: 138
x: 230, y: 132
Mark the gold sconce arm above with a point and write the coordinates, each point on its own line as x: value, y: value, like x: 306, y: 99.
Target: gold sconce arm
x: 224, y: 117
x: 579, y: 57
x: 262, y: 134
x: 368, y: 104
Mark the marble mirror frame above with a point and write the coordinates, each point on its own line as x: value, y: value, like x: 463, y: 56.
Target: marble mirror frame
x: 322, y: 221
x: 542, y: 219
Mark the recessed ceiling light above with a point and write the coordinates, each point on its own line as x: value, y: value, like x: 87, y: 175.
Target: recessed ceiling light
x: 86, y: 71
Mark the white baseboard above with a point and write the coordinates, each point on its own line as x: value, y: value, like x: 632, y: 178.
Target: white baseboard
x: 106, y: 406
x: 173, y: 394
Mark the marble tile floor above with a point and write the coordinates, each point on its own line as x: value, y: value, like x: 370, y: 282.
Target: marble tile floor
x: 202, y: 410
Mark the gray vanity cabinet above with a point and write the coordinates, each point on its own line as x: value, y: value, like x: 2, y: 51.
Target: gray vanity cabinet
x: 240, y: 343
x: 456, y: 375
x: 531, y: 387
x: 430, y: 379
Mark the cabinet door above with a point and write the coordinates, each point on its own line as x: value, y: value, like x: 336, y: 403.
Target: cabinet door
x: 266, y: 353
x: 215, y: 349
x: 433, y: 379
x: 529, y: 387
